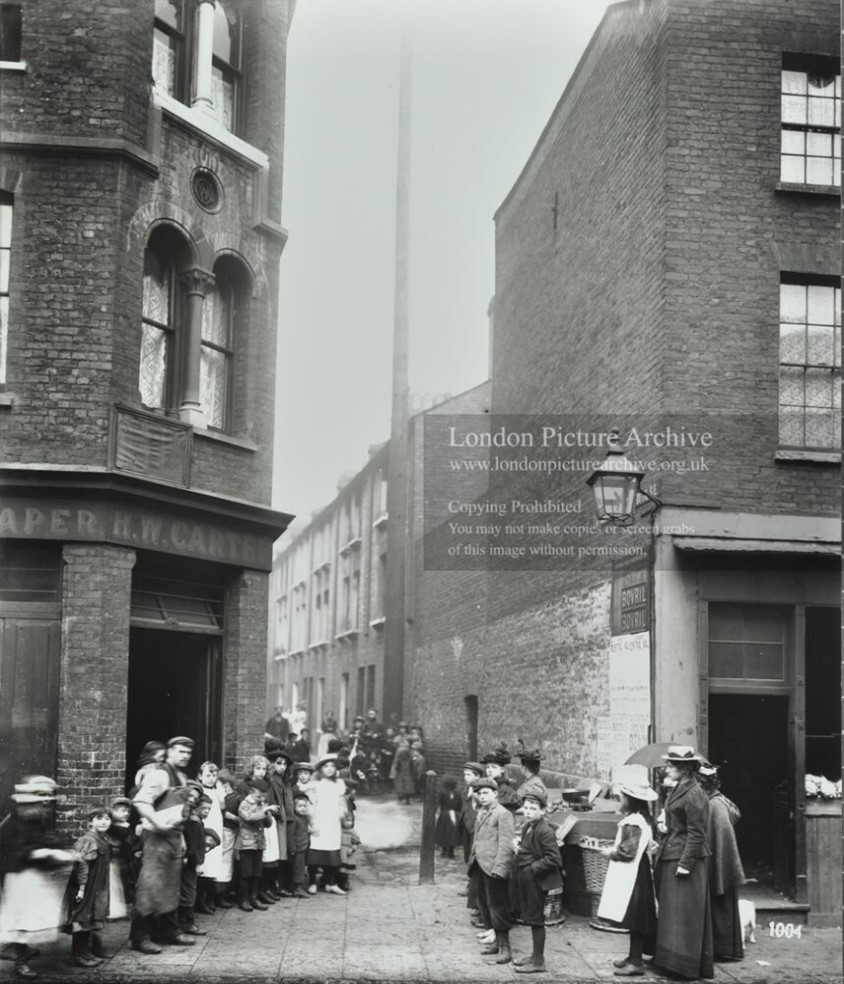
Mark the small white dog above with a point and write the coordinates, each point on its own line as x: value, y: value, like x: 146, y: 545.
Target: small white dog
x: 747, y: 918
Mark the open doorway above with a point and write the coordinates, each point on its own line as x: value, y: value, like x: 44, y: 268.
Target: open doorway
x: 748, y: 739
x: 173, y: 690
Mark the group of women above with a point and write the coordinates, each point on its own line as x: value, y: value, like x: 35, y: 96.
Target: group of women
x: 684, y: 910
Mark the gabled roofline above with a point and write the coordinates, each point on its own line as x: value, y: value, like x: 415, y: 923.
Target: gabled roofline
x: 611, y: 11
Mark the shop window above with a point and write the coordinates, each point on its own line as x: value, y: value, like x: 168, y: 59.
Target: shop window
x: 29, y: 573
x: 810, y: 363
x: 170, y: 48
x: 6, y: 208
x: 10, y: 32
x: 747, y: 643
x: 811, y: 121
x: 225, y: 64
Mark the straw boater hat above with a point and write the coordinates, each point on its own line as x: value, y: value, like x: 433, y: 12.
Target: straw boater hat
x: 325, y: 760
x: 682, y: 753
x: 638, y: 792
x: 707, y: 769
x: 35, y: 789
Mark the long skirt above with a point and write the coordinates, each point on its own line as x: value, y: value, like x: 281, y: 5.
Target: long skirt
x: 640, y: 916
x: 31, y: 907
x: 727, y: 937
x: 161, y: 874
x: 684, y: 928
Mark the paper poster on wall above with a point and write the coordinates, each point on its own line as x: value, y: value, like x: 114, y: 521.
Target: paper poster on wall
x: 630, y: 696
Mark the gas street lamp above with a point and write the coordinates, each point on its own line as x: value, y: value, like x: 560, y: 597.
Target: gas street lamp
x: 616, y: 486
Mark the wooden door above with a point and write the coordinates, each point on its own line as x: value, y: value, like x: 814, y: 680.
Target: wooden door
x: 30, y: 648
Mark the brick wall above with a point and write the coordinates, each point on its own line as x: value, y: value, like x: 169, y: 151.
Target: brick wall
x: 96, y: 590
x: 245, y: 668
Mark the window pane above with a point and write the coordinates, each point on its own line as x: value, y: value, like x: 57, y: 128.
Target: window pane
x: 216, y: 317
x: 4, y: 334
x: 791, y: 386
x: 5, y: 226
x: 794, y: 142
x: 794, y: 109
x: 170, y: 11
x: 792, y: 343
x: 156, y: 297
x: 819, y: 428
x: 818, y: 388
x: 794, y: 82
x: 821, y: 112
x: 226, y: 31
x: 791, y: 428
x: 821, y: 306
x: 821, y: 85
x: 793, y: 303
x: 818, y: 144
x: 223, y: 95
x: 819, y: 171
x: 164, y: 62
x: 820, y: 345
x: 153, y: 366
x: 725, y: 660
x: 10, y: 32
x: 213, y: 386
x: 764, y: 661
x: 793, y: 170
x: 4, y: 271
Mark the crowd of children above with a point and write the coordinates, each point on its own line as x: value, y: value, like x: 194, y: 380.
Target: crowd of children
x: 175, y: 847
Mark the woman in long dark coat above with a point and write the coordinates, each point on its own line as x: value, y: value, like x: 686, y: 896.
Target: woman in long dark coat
x: 684, y: 929
x: 402, y: 771
x: 726, y: 873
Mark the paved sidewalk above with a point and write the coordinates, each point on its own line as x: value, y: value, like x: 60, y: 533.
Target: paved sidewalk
x: 391, y: 928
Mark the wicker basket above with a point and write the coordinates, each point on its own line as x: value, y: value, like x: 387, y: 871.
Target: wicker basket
x: 595, y: 865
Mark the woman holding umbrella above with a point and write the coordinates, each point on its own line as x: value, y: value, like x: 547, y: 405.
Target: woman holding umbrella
x: 684, y: 928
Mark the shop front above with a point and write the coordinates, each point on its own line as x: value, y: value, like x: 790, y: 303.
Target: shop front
x: 748, y: 644
x: 128, y: 614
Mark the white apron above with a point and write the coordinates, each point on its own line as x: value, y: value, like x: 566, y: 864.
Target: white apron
x: 270, y: 853
x: 326, y: 812
x: 621, y: 875
x: 117, y: 907
x: 31, y: 907
x: 213, y: 866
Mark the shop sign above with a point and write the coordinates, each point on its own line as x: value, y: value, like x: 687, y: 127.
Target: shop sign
x: 108, y: 523
x: 631, y: 603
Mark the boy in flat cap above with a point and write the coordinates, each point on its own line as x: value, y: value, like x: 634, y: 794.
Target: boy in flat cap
x: 494, y: 764
x: 490, y: 859
x: 536, y: 872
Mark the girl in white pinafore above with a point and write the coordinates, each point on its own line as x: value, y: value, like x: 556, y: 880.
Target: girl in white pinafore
x: 328, y: 806
x: 628, y: 898
x: 212, y: 871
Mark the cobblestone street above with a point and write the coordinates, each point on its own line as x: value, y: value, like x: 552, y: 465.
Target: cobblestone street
x: 391, y: 928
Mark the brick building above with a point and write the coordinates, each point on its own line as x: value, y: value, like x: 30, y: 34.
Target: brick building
x: 140, y: 184
x: 668, y: 259
x: 328, y: 599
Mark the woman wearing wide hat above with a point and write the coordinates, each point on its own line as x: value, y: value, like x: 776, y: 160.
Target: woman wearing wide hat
x: 684, y: 930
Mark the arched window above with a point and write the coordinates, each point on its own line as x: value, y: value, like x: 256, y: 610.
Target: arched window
x: 226, y: 64
x: 169, y: 48
x: 219, y: 316
x: 161, y: 313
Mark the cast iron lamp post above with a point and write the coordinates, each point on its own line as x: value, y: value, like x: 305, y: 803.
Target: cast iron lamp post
x: 617, y: 487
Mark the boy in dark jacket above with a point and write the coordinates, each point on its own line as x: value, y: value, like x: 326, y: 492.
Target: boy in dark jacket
x: 536, y: 872
x: 194, y: 834
x: 301, y: 842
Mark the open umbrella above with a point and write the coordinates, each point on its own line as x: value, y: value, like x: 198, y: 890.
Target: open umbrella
x: 651, y: 755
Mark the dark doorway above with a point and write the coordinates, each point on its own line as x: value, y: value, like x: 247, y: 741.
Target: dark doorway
x: 173, y: 690
x: 748, y: 739
x: 471, y: 703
